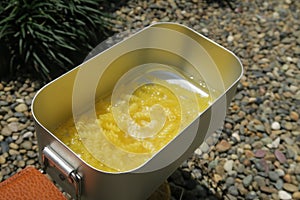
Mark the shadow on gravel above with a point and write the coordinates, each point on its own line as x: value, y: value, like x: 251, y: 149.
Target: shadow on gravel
x: 184, y: 187
x: 223, y: 3
x: 114, y: 5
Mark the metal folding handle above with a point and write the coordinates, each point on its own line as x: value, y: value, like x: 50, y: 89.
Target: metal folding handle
x: 66, y: 171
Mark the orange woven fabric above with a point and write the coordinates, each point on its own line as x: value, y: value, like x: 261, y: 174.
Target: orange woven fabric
x: 29, y: 184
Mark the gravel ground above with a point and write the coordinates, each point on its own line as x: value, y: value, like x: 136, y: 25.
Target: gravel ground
x: 257, y: 155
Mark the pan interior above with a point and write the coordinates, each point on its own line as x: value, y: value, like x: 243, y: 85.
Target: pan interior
x: 160, y: 88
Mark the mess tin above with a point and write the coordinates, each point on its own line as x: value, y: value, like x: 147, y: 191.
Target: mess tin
x: 168, y: 44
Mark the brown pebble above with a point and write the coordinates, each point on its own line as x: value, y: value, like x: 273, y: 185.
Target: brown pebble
x: 13, y: 146
x: 14, y: 126
x: 21, y: 107
x: 277, y: 164
x: 6, y: 131
x: 290, y: 187
x: 2, y: 159
x: 13, y: 152
x: 269, y: 190
x: 255, y: 185
x: 262, y: 90
x: 235, y: 107
x: 249, y: 154
x: 245, y: 84
x: 296, y: 195
x: 277, y: 96
x: 223, y: 146
x: 242, y: 189
x: 238, y: 180
x: 270, y: 156
x: 228, y: 126
x: 294, y: 116
x: 260, y: 135
x: 6, y: 89
x: 263, y: 196
x: 288, y: 126
x: 220, y: 170
x: 275, y: 196
x: 247, y: 162
x: 287, y: 178
x: 217, y: 178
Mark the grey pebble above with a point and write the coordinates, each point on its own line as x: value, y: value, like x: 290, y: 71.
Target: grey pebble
x: 196, y: 173
x: 251, y: 195
x: 266, y: 140
x: 19, y: 114
x: 31, y: 154
x: 279, y: 184
x: 213, y: 164
x: 247, y: 180
x: 260, y: 128
x: 4, y: 147
x: 289, y: 140
x: 239, y: 167
x: 30, y: 162
x: 28, y: 134
x: 21, y: 163
x: 273, y: 175
x: 6, y: 131
x: 297, y: 169
x: 233, y: 190
x: 13, y: 126
x: 26, y: 145
x: 229, y: 181
x: 260, y: 181
x: 291, y: 153
x: 259, y: 165
x: 3, y: 103
x: 30, y: 128
x: 21, y: 107
x: 257, y: 144
x: 204, y: 147
x: 280, y: 172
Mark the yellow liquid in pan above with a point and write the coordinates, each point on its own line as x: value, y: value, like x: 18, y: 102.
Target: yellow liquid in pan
x: 141, y: 100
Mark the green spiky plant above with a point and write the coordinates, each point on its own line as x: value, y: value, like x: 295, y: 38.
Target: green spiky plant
x: 48, y: 37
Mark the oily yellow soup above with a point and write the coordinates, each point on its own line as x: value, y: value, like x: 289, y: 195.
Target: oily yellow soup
x: 139, y: 104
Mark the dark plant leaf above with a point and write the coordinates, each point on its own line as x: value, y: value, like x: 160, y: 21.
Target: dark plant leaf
x: 48, y: 36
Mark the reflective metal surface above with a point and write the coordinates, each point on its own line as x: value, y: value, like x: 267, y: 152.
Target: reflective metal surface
x: 171, y: 44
